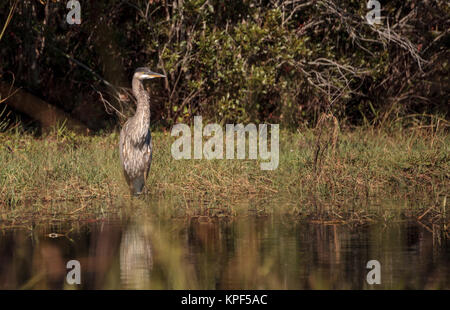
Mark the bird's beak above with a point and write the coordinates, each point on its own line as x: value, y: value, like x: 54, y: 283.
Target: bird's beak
x: 152, y: 75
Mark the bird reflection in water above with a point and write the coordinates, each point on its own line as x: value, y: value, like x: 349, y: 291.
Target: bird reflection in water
x: 136, y: 259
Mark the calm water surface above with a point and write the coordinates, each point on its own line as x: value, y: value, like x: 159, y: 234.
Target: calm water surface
x: 243, y: 253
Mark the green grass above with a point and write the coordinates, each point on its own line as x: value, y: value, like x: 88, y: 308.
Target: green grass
x: 357, y: 175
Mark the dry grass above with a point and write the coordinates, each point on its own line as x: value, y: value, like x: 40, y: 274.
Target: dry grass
x: 325, y: 174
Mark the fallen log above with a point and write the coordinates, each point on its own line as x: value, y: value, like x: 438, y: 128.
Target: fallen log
x: 43, y: 112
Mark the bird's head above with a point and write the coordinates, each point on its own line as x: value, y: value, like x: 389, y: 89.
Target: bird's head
x: 144, y: 73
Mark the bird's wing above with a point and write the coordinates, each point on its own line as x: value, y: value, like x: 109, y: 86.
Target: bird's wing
x: 149, y: 146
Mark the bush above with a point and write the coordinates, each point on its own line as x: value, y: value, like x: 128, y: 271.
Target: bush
x: 234, y: 61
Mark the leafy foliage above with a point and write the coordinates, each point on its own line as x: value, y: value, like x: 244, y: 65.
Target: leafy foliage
x: 233, y: 61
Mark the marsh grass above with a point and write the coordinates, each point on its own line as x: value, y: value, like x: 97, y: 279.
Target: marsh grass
x: 325, y: 174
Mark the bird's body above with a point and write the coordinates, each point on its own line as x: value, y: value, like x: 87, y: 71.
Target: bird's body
x: 136, y: 158
x: 135, y: 144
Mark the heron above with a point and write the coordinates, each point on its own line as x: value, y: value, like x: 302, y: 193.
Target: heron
x: 135, y: 143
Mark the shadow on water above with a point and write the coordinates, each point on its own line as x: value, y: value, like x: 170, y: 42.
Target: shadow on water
x: 241, y: 253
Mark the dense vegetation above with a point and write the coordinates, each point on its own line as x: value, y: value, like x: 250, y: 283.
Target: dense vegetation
x: 231, y: 60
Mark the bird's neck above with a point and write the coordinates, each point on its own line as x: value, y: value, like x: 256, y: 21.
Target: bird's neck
x: 142, y: 115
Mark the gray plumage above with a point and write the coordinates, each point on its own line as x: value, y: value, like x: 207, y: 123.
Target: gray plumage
x: 135, y: 144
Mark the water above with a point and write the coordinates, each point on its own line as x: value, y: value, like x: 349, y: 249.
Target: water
x: 247, y: 252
